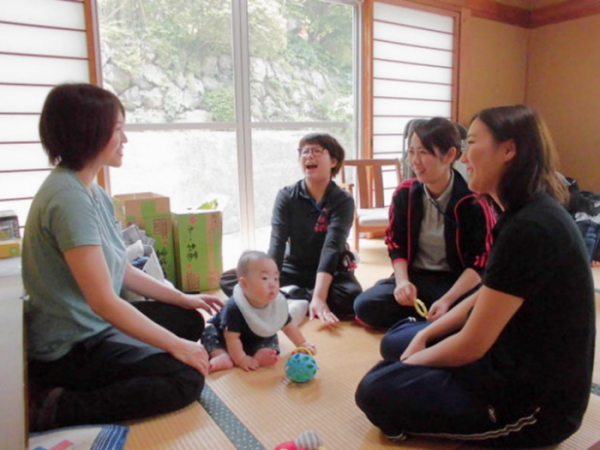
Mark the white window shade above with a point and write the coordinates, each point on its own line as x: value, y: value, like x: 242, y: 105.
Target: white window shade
x: 24, y: 155
x: 413, y: 17
x: 22, y: 99
x: 416, y: 55
x: 413, y: 70
x: 412, y: 90
x: 19, y: 129
x: 412, y: 36
x: 46, y: 70
x: 405, y: 108
x: 47, y: 13
x: 42, y: 43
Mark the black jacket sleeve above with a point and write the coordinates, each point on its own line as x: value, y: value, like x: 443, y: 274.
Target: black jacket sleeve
x: 397, y: 236
x: 280, y: 227
x: 341, y: 216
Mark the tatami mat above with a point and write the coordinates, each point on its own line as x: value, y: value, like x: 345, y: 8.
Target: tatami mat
x: 263, y: 408
x: 596, y: 275
x: 276, y: 410
x: 596, y: 373
x: 188, y: 429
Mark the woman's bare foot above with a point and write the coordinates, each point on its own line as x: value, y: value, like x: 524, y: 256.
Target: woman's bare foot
x: 222, y: 361
x: 267, y: 356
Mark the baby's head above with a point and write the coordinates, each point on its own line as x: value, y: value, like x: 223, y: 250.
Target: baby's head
x: 258, y: 277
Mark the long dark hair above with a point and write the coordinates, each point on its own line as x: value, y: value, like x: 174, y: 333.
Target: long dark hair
x: 532, y: 170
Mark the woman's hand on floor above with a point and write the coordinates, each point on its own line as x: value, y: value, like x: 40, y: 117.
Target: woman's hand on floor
x: 319, y: 309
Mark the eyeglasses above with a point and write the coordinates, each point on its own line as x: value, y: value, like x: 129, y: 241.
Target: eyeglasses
x: 316, y: 151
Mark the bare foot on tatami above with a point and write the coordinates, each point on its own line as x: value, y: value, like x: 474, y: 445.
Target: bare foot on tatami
x: 220, y: 362
x: 267, y: 357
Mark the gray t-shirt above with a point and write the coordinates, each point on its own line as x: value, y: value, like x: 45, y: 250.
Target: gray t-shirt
x: 432, y: 244
x: 64, y: 215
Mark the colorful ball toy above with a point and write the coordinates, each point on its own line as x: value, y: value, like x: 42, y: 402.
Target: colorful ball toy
x: 308, y: 440
x: 301, y: 366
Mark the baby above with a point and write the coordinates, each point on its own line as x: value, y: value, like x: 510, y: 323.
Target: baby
x: 244, y: 332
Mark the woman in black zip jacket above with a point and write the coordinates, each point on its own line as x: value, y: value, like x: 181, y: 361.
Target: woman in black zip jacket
x: 309, y: 229
x: 310, y: 225
x: 438, y: 237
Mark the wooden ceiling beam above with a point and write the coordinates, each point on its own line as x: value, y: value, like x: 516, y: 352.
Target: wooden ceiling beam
x: 564, y: 11
x: 486, y: 9
x: 513, y: 15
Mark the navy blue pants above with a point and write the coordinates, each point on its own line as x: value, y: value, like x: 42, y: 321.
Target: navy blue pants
x: 112, y: 377
x: 403, y: 400
x: 377, y: 307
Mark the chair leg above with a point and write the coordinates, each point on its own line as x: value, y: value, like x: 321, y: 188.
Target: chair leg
x: 356, y: 236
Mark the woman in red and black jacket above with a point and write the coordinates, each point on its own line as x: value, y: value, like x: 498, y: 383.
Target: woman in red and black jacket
x: 439, y: 234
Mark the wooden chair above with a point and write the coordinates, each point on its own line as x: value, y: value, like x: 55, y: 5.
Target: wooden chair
x: 371, y: 214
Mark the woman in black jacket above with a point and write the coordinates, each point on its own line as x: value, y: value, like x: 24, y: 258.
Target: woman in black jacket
x: 310, y: 225
x: 439, y: 234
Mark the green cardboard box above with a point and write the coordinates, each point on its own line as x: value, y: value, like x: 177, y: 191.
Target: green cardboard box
x: 198, y: 246
x: 152, y: 213
x: 9, y: 225
x: 10, y: 248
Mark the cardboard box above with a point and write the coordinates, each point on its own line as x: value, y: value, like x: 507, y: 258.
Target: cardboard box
x: 9, y: 225
x: 10, y: 248
x: 152, y: 213
x: 198, y: 246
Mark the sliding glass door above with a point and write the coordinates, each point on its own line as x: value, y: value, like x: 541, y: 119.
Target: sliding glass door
x: 302, y: 79
x: 218, y: 93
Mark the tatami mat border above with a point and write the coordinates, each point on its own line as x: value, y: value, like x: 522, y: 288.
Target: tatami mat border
x: 235, y: 430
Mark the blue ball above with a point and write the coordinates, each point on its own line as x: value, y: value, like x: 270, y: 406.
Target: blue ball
x: 301, y: 367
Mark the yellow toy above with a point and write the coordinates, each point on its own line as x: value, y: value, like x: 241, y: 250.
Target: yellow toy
x: 421, y: 308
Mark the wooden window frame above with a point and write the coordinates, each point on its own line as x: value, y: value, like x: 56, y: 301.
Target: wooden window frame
x: 460, y: 15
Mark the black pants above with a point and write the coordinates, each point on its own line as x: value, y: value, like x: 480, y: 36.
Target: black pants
x: 404, y: 400
x: 112, y: 377
x: 342, y: 292
x: 378, y: 308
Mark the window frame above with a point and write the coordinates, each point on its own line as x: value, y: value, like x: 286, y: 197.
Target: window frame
x: 459, y: 16
x: 243, y: 125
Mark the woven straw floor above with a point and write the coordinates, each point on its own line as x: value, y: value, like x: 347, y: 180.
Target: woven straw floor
x: 272, y: 409
x: 261, y: 409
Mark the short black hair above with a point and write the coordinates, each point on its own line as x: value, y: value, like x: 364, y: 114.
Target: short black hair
x: 330, y: 144
x: 247, y: 258
x: 77, y: 122
x: 439, y: 133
